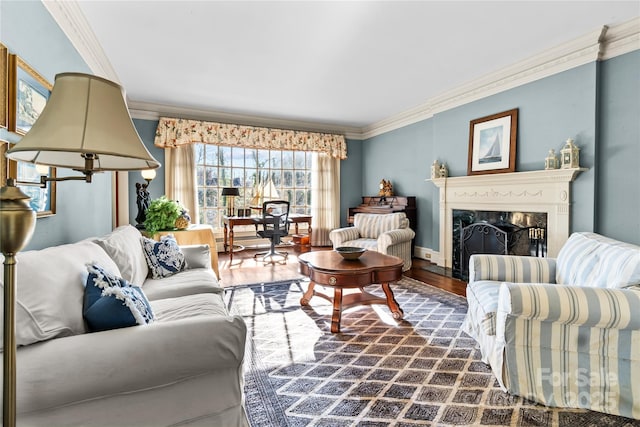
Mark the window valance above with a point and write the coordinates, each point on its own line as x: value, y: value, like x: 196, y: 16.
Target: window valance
x: 172, y: 133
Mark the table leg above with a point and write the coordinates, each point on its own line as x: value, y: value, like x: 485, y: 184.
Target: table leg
x: 337, y: 310
x: 308, y: 294
x: 309, y: 230
x: 225, y: 246
x: 396, y: 311
x: 230, y: 245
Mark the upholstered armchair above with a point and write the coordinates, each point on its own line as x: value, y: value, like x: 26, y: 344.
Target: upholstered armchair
x: 387, y: 233
x: 562, y: 331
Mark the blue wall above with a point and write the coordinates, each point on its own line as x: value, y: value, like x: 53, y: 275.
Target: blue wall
x: 618, y: 173
x: 83, y: 210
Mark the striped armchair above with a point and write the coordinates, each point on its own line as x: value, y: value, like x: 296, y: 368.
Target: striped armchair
x: 387, y: 233
x: 566, y: 331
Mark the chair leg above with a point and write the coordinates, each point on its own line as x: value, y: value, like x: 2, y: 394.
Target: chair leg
x: 271, y: 257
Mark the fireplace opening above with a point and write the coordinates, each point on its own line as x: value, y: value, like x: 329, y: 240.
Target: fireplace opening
x: 492, y: 232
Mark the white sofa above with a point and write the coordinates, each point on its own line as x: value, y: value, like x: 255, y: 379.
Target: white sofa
x: 562, y: 331
x: 385, y: 233
x: 184, y: 368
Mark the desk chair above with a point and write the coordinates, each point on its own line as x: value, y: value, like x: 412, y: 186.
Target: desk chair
x: 275, y: 225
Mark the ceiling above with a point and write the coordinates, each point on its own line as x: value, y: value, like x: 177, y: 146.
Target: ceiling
x: 346, y: 65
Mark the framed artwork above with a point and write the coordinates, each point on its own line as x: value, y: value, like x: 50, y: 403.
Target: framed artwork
x: 4, y: 68
x: 28, y: 93
x: 492, y: 143
x: 43, y: 200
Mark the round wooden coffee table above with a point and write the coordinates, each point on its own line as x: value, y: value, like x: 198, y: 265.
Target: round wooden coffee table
x: 328, y: 268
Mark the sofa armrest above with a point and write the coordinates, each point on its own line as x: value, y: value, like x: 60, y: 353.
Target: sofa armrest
x: 83, y: 367
x: 197, y: 256
x: 394, y: 237
x: 341, y: 235
x: 584, y: 306
x: 510, y: 268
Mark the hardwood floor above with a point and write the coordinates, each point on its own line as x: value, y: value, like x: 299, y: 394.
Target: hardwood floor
x: 246, y: 270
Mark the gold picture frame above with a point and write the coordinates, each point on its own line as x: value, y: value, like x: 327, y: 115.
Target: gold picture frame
x: 28, y: 92
x: 492, y: 143
x: 4, y: 69
x: 4, y: 165
x: 42, y: 199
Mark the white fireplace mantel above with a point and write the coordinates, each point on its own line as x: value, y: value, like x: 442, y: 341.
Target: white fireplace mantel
x: 545, y: 191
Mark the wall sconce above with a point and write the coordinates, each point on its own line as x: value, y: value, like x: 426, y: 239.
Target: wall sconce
x: 85, y: 126
x: 230, y: 193
x: 143, y: 197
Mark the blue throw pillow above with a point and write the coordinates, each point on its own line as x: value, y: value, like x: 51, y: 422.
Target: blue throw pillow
x: 164, y: 258
x: 110, y: 302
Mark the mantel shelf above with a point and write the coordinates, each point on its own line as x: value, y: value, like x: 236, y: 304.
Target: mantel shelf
x: 530, y: 177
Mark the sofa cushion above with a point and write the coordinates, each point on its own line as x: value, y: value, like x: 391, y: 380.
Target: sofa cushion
x: 371, y: 226
x: 371, y: 244
x: 187, y: 282
x: 110, y: 302
x: 164, y: 258
x: 50, y: 290
x: 589, y: 259
x: 123, y: 246
x: 188, y: 307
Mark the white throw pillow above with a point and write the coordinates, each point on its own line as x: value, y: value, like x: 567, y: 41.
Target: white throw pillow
x: 123, y: 246
x: 50, y: 290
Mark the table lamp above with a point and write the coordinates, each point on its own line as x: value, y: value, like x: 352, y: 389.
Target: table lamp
x: 85, y: 126
x: 230, y: 193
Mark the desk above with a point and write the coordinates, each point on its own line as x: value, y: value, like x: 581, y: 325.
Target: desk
x: 231, y: 221
x: 197, y: 234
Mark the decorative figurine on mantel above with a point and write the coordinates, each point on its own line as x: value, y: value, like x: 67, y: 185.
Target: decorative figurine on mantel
x: 444, y: 172
x: 570, y: 155
x: 551, y: 162
x: 386, y: 189
x: 435, y: 170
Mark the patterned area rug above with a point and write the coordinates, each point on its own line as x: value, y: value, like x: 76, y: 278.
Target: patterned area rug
x: 377, y: 372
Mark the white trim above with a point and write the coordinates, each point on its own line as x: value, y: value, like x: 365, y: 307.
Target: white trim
x: 72, y: 22
x: 603, y: 43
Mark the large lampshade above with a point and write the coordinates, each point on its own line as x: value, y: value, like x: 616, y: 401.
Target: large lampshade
x: 85, y: 115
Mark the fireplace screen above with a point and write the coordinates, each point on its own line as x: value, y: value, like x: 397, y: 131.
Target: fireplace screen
x: 484, y: 232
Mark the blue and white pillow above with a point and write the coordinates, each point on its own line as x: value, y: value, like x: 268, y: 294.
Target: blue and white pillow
x: 111, y: 302
x: 164, y: 258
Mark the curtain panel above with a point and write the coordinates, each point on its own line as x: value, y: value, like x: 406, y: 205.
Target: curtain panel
x: 173, y: 133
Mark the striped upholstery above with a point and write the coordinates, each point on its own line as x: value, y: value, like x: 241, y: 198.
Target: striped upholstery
x: 565, y: 332
x: 388, y: 234
x: 572, y: 346
x: 371, y: 226
x: 588, y: 259
x: 510, y: 268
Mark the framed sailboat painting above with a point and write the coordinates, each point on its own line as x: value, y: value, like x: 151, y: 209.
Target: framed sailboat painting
x: 492, y: 143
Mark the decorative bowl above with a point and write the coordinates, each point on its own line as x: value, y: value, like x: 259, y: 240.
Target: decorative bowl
x: 350, y: 252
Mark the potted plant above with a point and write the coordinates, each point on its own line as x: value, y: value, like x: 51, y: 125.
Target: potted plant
x: 161, y: 215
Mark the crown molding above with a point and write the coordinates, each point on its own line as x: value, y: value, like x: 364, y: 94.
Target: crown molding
x: 604, y: 43
x: 601, y: 44
x: 152, y: 111
x: 621, y: 39
x: 73, y: 23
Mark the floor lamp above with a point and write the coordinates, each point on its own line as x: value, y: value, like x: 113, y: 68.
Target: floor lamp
x: 85, y: 126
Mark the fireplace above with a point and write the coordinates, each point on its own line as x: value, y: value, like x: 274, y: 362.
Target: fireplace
x: 546, y: 192
x: 491, y: 232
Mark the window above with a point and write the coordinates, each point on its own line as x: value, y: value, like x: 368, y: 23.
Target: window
x: 252, y: 171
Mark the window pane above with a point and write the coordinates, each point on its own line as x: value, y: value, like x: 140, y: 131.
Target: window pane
x: 249, y: 170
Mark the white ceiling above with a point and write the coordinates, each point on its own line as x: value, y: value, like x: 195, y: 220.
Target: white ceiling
x: 336, y: 63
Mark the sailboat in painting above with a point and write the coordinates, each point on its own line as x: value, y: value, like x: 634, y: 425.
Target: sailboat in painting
x: 494, y: 152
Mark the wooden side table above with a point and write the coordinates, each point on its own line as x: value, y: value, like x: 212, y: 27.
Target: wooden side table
x: 197, y: 234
